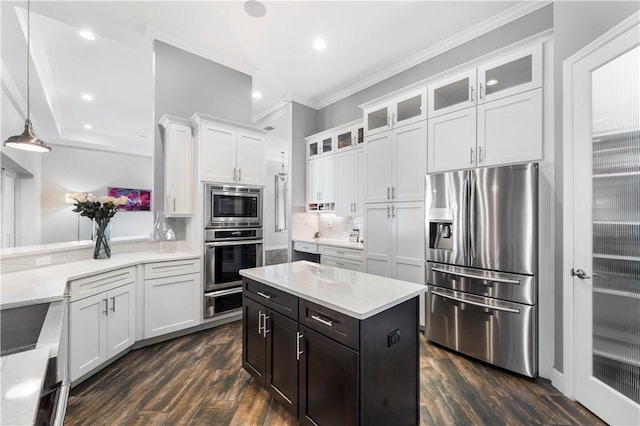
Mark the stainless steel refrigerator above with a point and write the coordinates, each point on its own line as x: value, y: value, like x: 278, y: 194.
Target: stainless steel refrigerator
x: 482, y: 264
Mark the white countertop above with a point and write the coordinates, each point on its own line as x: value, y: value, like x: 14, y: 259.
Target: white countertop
x: 22, y: 378
x: 331, y: 242
x: 356, y: 294
x: 48, y: 283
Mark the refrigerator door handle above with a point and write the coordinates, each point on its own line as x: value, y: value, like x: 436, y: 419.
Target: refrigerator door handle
x: 479, y: 277
x: 472, y: 219
x: 470, y: 302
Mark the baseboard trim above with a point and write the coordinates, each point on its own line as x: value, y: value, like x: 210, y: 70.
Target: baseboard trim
x: 557, y: 381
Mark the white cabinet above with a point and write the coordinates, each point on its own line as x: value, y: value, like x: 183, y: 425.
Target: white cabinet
x: 342, y: 257
x: 396, y: 112
x: 178, y: 166
x: 394, y: 242
x: 172, y: 296
x: 498, y: 122
x: 321, y: 184
x: 396, y: 163
x: 319, y: 145
x: 228, y: 152
x: 350, y: 136
x: 101, y: 319
x: 350, y: 175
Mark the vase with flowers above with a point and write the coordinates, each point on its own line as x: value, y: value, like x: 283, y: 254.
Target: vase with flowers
x: 100, y: 211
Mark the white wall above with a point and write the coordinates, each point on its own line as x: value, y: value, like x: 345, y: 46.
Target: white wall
x: 80, y: 170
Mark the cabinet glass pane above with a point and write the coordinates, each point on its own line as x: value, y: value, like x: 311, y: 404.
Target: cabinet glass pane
x: 313, y: 149
x: 377, y: 119
x: 451, y: 94
x: 509, y: 75
x: 344, y: 140
x: 360, y: 136
x: 616, y: 224
x: 409, y: 108
x: 326, y: 145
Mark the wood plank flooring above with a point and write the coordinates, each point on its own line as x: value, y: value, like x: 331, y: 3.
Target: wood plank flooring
x: 198, y: 380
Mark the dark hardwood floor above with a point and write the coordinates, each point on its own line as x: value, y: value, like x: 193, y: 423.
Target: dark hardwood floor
x: 198, y: 380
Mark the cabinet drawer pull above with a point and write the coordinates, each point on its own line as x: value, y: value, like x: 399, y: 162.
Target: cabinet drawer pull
x: 480, y: 92
x: 265, y: 295
x: 471, y: 155
x: 480, y: 154
x: 339, y: 264
x: 322, y: 320
x: 113, y: 304
x: 388, y: 193
x: 106, y: 306
x: 240, y: 175
x: 298, y: 351
x: 471, y: 94
x: 393, y: 192
x: 234, y: 173
x: 388, y: 211
x: 393, y: 211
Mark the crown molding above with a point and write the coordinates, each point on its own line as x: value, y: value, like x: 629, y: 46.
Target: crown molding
x: 152, y: 33
x: 503, y: 18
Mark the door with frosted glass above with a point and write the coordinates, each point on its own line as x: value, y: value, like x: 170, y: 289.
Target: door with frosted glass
x: 606, y: 220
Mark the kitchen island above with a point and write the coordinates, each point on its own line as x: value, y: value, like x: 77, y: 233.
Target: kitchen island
x: 331, y: 345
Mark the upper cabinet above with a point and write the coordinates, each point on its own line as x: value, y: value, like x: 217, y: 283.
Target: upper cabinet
x: 490, y: 120
x: 350, y: 136
x: 320, y: 145
x: 395, y: 112
x: 229, y: 152
x: 178, y: 166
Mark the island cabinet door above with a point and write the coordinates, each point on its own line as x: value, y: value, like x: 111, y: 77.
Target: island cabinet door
x: 254, y: 349
x: 328, y: 381
x: 282, y: 354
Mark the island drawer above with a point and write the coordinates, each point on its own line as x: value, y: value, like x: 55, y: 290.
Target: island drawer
x: 279, y: 301
x: 171, y: 268
x: 339, y: 327
x: 98, y: 283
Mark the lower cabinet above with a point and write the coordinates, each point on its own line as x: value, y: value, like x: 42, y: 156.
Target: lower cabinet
x: 101, y: 326
x: 328, y: 368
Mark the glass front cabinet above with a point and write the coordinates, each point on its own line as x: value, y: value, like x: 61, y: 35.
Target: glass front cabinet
x: 396, y: 112
x: 350, y: 136
x: 320, y: 145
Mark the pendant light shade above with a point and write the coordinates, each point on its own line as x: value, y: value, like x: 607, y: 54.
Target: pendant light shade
x: 283, y: 174
x: 27, y: 141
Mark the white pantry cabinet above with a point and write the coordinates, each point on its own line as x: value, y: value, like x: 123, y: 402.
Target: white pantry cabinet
x: 172, y: 296
x: 178, y: 166
x: 101, y: 319
x: 350, y: 176
x: 396, y: 111
x: 229, y: 152
x: 394, y: 242
x: 396, y: 163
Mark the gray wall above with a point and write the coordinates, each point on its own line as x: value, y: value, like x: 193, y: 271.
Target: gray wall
x: 304, y: 122
x: 347, y: 109
x: 184, y: 84
x: 575, y: 24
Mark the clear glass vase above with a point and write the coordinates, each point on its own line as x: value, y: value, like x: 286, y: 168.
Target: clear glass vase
x: 102, y: 238
x: 162, y: 234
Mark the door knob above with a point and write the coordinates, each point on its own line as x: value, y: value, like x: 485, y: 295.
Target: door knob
x: 580, y: 274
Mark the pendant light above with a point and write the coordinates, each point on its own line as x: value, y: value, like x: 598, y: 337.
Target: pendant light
x: 282, y: 174
x: 27, y: 141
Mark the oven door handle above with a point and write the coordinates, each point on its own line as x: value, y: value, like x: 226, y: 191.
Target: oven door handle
x: 226, y: 292
x: 232, y: 243
x: 470, y: 302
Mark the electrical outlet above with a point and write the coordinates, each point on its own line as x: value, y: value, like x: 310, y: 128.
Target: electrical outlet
x: 43, y: 260
x: 393, y: 338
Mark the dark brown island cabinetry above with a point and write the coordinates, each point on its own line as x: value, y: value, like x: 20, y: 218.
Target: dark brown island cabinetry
x: 328, y: 368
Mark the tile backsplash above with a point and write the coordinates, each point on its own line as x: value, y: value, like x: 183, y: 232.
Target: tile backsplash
x: 327, y: 225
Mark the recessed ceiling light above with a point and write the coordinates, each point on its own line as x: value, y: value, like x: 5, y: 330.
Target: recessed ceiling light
x: 492, y: 82
x: 255, y: 8
x: 256, y: 95
x: 88, y: 126
x: 87, y: 96
x: 319, y: 44
x: 87, y: 34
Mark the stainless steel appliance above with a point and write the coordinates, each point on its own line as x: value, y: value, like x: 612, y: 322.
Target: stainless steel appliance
x: 226, y: 252
x: 232, y: 206
x: 482, y: 264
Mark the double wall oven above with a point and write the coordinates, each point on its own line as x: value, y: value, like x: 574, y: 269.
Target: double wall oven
x: 233, y: 240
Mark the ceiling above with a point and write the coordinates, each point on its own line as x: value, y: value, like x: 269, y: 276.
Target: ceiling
x: 367, y: 41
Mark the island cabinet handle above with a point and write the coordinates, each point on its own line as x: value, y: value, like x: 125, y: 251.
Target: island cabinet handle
x: 298, y: 351
x: 259, y: 322
x: 322, y: 320
x: 265, y: 317
x: 265, y: 295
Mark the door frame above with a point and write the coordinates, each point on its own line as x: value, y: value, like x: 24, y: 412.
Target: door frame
x: 575, y: 113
